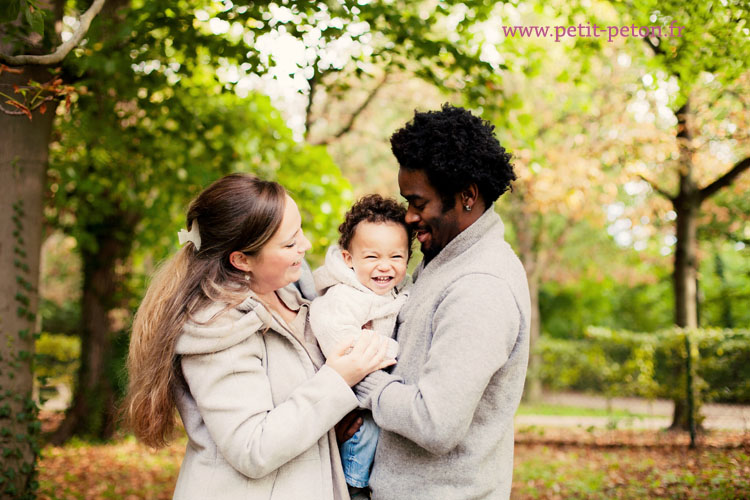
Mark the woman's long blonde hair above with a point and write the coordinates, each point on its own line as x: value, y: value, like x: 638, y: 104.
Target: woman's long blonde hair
x: 238, y: 212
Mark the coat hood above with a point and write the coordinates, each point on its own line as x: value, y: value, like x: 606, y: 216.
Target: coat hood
x: 335, y: 271
x: 212, y: 329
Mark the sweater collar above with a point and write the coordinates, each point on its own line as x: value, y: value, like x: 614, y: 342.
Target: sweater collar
x: 463, y: 241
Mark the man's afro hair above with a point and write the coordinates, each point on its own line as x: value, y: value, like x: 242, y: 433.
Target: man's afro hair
x: 455, y: 149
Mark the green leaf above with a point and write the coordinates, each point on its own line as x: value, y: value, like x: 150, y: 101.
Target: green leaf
x: 9, y: 10
x: 525, y: 119
x: 35, y: 19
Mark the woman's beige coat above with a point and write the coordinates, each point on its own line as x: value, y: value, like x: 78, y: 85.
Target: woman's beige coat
x: 258, y: 408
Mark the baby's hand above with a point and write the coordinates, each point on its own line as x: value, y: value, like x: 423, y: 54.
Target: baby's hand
x: 354, y: 362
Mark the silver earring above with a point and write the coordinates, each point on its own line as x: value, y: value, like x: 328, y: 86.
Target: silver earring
x: 467, y: 208
x: 247, y: 277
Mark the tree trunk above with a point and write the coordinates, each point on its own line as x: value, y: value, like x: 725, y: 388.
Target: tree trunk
x: 679, y: 416
x: 92, y: 413
x: 23, y: 163
x: 686, y: 205
x: 533, y: 392
x: 685, y: 266
x: 527, y: 253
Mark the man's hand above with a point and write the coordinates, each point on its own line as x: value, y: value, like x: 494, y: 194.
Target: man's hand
x: 348, y: 425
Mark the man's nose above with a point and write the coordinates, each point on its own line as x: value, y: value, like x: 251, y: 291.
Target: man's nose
x: 411, y: 216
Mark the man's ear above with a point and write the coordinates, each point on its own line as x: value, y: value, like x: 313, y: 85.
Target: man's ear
x: 240, y: 261
x: 347, y: 258
x: 469, y: 197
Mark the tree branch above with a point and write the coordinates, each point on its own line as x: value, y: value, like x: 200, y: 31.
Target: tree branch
x: 312, y: 82
x: 64, y: 48
x: 353, y: 117
x: 657, y: 188
x: 656, y: 48
x: 726, y: 179
x: 550, y: 125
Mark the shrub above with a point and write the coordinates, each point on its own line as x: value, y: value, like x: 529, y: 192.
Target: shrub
x: 618, y: 362
x: 57, y: 359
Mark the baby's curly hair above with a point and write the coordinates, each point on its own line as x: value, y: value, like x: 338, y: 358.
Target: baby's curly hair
x: 455, y: 149
x: 373, y: 208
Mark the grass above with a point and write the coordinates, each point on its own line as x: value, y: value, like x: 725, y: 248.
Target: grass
x: 570, y: 471
x: 549, y: 472
x: 575, y: 411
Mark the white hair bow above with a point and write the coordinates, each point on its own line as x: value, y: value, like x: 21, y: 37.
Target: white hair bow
x: 193, y: 235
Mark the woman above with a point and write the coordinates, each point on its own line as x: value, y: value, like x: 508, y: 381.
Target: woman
x: 222, y: 336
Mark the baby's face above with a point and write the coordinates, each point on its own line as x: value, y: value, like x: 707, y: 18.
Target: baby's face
x: 378, y: 254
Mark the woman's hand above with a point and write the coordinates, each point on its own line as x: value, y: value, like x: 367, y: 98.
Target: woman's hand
x: 355, y: 362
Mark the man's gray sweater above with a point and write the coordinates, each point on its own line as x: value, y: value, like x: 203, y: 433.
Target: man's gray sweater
x: 446, y: 412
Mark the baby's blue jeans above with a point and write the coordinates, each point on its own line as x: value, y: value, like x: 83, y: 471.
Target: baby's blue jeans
x: 358, y: 452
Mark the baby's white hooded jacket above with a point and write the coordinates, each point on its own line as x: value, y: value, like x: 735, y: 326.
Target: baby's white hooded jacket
x: 345, y: 305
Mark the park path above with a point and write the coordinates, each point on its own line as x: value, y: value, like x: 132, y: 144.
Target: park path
x: 657, y: 414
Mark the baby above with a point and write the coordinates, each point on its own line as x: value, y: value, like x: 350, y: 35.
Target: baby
x: 361, y: 286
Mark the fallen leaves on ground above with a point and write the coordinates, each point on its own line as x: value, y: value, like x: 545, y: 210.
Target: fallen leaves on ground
x: 549, y: 464
x: 123, y: 469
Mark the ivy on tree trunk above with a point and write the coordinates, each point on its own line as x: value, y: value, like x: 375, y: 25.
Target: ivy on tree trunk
x: 22, y: 167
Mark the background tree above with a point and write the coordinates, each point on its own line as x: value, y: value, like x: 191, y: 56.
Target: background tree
x: 714, y: 41
x: 28, y: 91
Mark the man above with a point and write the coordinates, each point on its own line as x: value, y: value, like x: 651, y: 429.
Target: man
x: 446, y: 411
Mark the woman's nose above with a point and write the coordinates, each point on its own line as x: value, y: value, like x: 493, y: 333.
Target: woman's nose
x: 306, y: 245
